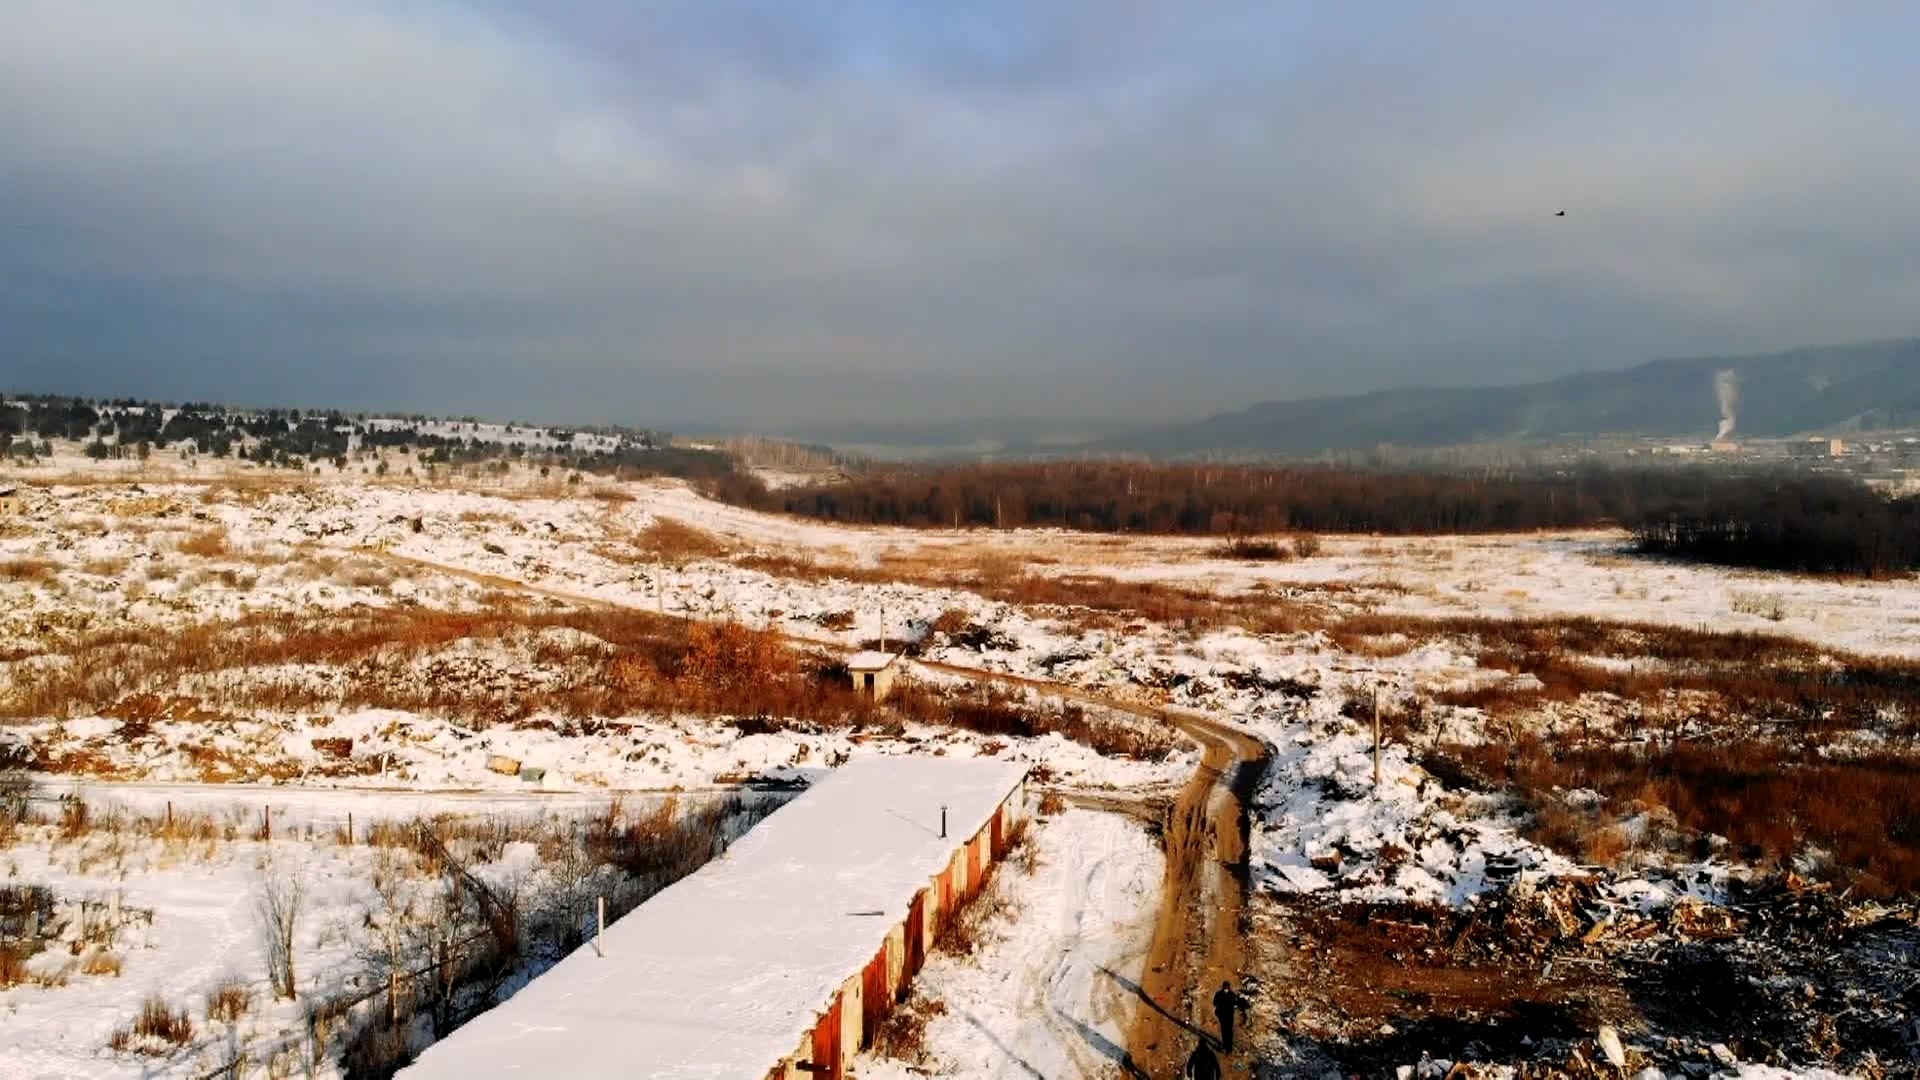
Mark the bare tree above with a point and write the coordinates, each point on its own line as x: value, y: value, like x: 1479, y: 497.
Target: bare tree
x: 280, y: 898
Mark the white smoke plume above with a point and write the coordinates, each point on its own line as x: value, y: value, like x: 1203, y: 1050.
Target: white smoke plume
x: 1726, y: 387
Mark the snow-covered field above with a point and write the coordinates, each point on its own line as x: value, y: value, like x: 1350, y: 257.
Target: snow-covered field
x: 109, y: 556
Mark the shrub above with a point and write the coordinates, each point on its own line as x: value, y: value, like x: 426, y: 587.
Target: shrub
x: 13, y: 964
x: 903, y: 1034
x: 27, y: 570
x: 1768, y: 606
x: 279, y: 910
x: 100, y: 962
x: 205, y: 544
x: 677, y: 541
x: 1251, y: 550
x: 725, y: 660
x: 229, y: 1001
x: 157, y: 1030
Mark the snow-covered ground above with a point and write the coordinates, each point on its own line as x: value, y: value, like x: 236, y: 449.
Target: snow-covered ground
x: 1040, y: 996
x: 174, y: 912
x: 101, y: 557
x: 646, y: 753
x: 389, y: 546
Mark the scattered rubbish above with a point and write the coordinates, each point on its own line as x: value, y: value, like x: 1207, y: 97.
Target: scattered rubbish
x: 1609, y: 1041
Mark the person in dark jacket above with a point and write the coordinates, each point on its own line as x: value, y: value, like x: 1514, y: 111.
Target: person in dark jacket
x: 1202, y: 1065
x: 1225, y: 1004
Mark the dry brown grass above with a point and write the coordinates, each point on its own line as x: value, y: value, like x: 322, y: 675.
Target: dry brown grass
x: 1107, y: 599
x: 903, y: 1034
x: 675, y: 541
x: 1759, y: 680
x: 808, y: 567
x: 157, y: 1029
x: 28, y: 571
x: 229, y: 1002
x: 209, y: 543
x: 13, y: 965
x: 641, y: 663
x: 1742, y: 736
x: 112, y: 567
x: 100, y: 962
x: 1770, y: 802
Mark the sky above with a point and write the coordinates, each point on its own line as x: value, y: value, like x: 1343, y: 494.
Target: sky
x: 779, y: 214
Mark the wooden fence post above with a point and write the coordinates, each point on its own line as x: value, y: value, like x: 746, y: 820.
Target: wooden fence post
x: 600, y: 926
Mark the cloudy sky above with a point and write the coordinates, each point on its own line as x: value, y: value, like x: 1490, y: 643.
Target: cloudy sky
x: 781, y: 213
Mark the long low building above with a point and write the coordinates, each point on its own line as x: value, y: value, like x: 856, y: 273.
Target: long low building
x: 779, y: 958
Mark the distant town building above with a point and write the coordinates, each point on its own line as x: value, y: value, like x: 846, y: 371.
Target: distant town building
x: 1817, y: 448
x: 1724, y: 446
x: 9, y: 500
x: 873, y: 672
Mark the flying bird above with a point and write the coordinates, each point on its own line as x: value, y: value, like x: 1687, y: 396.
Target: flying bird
x: 1559, y: 213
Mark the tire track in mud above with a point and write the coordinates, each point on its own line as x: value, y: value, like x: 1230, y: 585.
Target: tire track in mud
x: 1198, y: 939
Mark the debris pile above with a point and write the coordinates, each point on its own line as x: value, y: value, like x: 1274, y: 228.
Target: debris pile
x: 1569, y: 977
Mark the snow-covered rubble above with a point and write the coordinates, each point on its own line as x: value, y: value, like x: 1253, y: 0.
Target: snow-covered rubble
x: 1326, y: 826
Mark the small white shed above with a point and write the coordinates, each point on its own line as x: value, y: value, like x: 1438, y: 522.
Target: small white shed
x: 874, y: 672
x: 9, y: 500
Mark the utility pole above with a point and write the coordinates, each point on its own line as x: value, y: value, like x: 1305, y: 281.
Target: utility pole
x: 1376, y: 737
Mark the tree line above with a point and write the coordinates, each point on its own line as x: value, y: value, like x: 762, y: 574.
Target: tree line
x: 1759, y: 519
x: 1811, y: 525
x: 290, y: 438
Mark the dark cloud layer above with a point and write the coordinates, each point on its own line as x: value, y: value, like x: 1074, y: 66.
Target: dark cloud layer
x: 767, y: 213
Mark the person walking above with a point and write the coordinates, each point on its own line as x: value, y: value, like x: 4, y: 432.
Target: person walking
x: 1202, y: 1065
x: 1225, y: 1004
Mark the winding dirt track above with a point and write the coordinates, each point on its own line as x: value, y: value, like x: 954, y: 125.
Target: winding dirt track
x: 1198, y: 939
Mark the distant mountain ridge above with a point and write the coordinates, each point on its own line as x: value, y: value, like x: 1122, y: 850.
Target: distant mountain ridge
x: 1829, y: 390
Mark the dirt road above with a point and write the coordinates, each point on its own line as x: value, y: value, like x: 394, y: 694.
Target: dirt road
x: 1199, y: 940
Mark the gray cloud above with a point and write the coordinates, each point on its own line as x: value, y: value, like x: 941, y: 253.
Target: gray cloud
x: 751, y: 213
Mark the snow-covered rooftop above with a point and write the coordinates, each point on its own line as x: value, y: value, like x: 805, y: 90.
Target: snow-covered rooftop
x: 870, y: 660
x: 723, y: 974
